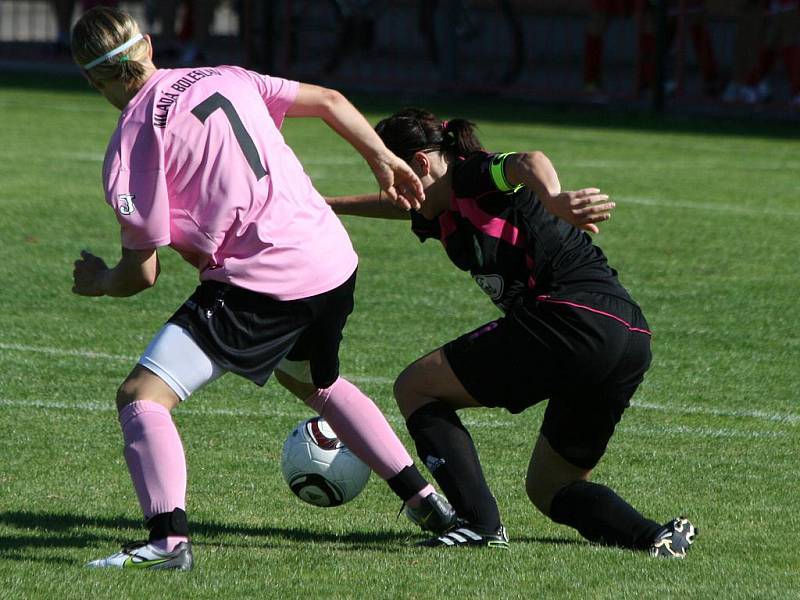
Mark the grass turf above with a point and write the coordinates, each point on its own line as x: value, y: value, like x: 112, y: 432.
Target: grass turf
x: 704, y: 236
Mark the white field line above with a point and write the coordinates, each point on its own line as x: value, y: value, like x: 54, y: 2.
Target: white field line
x: 782, y: 418
x: 187, y: 408
x: 714, y: 163
x: 707, y: 206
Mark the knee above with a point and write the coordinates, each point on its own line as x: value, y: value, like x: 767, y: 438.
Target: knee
x: 539, y: 495
x: 405, y: 391
x: 126, y: 394
x: 299, y: 389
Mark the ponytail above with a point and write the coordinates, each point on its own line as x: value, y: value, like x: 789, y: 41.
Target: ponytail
x: 459, y: 137
x: 414, y: 129
x: 98, y: 36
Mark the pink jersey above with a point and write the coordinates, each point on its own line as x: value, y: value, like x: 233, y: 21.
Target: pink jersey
x: 198, y: 163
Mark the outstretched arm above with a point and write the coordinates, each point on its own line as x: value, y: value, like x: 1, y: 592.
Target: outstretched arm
x: 396, y: 179
x: 582, y: 208
x: 136, y: 270
x: 367, y: 205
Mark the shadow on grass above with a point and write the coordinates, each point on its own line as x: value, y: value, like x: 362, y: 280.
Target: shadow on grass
x: 52, y: 530
x: 39, y: 530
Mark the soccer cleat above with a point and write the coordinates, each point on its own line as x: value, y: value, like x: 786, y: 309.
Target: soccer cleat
x: 674, y: 539
x: 465, y: 536
x: 433, y: 514
x: 141, y: 555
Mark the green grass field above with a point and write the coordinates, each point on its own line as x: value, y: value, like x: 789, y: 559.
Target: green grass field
x: 705, y: 237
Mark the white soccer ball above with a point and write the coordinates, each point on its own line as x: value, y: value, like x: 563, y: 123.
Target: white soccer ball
x: 319, y: 468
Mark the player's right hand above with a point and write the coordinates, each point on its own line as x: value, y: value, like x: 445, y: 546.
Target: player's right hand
x: 87, y: 274
x: 400, y: 184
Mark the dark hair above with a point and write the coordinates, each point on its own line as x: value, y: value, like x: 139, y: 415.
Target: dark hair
x: 413, y: 129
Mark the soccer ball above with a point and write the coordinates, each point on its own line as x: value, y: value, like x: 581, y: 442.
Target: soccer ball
x: 319, y: 468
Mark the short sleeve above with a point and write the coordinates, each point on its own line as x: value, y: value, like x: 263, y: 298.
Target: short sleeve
x: 279, y: 94
x: 136, y: 188
x: 481, y: 173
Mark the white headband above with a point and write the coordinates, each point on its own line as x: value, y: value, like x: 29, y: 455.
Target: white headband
x: 114, y: 52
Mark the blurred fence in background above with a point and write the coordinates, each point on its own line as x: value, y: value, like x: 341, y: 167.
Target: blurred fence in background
x: 736, y: 53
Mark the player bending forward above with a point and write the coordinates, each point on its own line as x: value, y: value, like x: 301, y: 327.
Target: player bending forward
x: 571, y: 334
x: 197, y: 162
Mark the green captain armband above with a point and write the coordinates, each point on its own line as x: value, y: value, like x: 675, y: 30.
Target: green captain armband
x: 497, y: 171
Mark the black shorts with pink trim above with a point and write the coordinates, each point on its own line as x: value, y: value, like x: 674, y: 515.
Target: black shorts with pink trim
x: 586, y: 354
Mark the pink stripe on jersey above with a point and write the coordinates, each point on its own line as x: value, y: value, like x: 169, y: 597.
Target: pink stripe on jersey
x: 550, y: 300
x: 530, y: 264
x: 490, y: 225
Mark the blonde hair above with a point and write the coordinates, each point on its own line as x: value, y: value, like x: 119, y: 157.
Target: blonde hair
x: 99, y: 31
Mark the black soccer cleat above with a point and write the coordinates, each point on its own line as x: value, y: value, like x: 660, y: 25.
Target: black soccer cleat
x: 433, y: 514
x: 463, y: 535
x: 674, y: 539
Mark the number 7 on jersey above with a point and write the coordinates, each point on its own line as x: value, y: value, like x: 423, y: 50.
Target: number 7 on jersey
x: 216, y: 100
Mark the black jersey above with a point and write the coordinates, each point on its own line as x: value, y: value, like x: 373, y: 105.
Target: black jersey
x: 514, y: 249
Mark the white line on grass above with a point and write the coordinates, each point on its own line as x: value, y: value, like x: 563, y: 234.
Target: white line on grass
x: 472, y: 421
x: 783, y: 418
x: 725, y: 208
x: 721, y: 412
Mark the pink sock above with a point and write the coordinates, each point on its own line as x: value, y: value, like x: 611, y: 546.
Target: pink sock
x: 415, y: 500
x: 154, y: 453
x: 362, y: 427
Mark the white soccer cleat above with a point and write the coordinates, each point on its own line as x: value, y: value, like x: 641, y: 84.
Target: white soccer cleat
x: 141, y: 555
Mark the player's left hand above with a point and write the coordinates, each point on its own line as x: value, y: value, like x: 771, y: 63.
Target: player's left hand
x: 582, y: 208
x: 88, y: 274
x: 398, y: 182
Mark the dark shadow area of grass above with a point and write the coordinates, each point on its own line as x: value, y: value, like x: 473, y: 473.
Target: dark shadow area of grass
x: 63, y: 530
x: 496, y: 109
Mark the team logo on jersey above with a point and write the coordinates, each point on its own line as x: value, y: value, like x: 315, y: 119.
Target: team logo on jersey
x: 126, y: 205
x: 491, y: 284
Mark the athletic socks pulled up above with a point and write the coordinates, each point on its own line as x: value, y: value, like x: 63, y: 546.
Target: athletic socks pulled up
x: 447, y: 449
x: 156, y: 462
x: 601, y: 516
x: 364, y: 429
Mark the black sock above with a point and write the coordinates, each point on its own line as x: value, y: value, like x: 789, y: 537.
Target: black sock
x: 407, y: 482
x: 601, y: 516
x: 447, y: 450
x: 163, y: 525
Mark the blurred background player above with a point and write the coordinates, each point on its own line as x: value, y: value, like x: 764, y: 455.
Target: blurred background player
x: 780, y: 37
x: 747, y: 41
x: 64, y: 10
x: 197, y: 162
x: 600, y: 14
x: 570, y: 334
x: 692, y: 11
x: 185, y: 40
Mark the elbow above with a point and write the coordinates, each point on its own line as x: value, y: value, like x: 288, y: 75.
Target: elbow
x: 150, y: 276
x: 331, y: 100
x: 148, y: 281
x: 143, y: 280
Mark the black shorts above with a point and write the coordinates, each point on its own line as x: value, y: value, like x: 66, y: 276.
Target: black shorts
x: 587, y: 355
x: 249, y: 333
